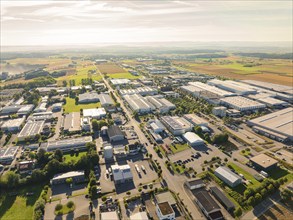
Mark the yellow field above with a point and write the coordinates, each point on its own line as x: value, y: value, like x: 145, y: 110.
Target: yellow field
x: 110, y: 68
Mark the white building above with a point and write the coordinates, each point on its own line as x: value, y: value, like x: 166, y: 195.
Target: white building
x: 86, y: 124
x: 219, y: 111
x: 41, y: 108
x: 25, y: 109
x: 94, y: 113
x: 88, y: 97
x: 176, y: 125
x: 139, y: 104
x: 121, y: 173
x: 211, y: 89
x: 193, y: 139
x: 196, y: 120
x: 7, y: 155
x: 226, y: 175
x: 242, y: 104
x: 119, y: 82
x: 165, y: 211
x: 162, y: 104
x: 13, y: 124
x: 233, y: 86
x: 109, y: 215
x: 144, y: 91
x: 139, y: 216
x: 157, y: 126
x: 30, y: 130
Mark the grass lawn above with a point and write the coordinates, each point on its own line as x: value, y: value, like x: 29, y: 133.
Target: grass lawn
x: 175, y: 166
x: 123, y: 75
x: 70, y: 105
x: 246, y: 174
x: 278, y: 173
x: 20, y: 206
x: 68, y: 157
x: 178, y: 148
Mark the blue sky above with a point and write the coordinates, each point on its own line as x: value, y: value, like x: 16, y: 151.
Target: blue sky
x: 96, y: 22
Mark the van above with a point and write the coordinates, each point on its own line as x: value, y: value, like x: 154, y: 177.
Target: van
x: 264, y: 173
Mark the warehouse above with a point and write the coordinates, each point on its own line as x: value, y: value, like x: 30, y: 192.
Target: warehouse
x: 41, y: 107
x: 193, y: 139
x: 277, y: 125
x: 112, y: 215
x: 7, y: 155
x: 72, y: 122
x: 105, y: 100
x: 115, y: 133
x: 96, y: 113
x: 233, y: 86
x: 194, y: 91
x: 211, y: 89
x: 157, y: 126
x: 11, y: 109
x: 270, y: 86
x: 88, y: 97
x: 273, y: 103
x: 227, y: 176
x: 263, y: 162
x: 162, y: 104
x: 195, y: 184
x: 25, y: 109
x: 138, y: 104
x: 222, y: 198
x: 219, y: 111
x: 67, y: 144
x: 30, y: 130
x: 76, y: 176
x: 208, y: 205
x: 144, y: 91
x: 196, y: 120
x: 119, y: 82
x: 121, y: 174
x: 41, y: 116
x: 13, y: 124
x: 242, y: 104
x: 176, y: 125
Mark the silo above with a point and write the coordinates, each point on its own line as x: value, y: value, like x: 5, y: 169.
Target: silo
x: 108, y: 152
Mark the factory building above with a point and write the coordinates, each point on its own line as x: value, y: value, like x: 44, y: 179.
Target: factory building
x: 222, y: 198
x: 30, y: 130
x: 25, y: 110
x: 165, y: 211
x: 41, y: 116
x: 105, y: 100
x: 96, y: 113
x: 67, y: 144
x: 11, y: 109
x: 89, y: 97
x: 227, y: 176
x: 277, y: 125
x: 271, y: 102
x: 119, y: 82
x: 72, y: 122
x: 41, y: 107
x: 176, y: 125
x: 194, y: 91
x: 271, y: 86
x: 77, y: 177
x: 115, y: 134
x: 13, y: 125
x: 193, y: 139
x: 121, y: 174
x: 263, y: 162
x: 7, y: 155
x: 196, y: 120
x: 211, y: 89
x: 242, y: 104
x: 233, y: 86
x: 144, y: 91
x: 162, y: 104
x: 157, y: 126
x: 219, y: 111
x: 139, y: 104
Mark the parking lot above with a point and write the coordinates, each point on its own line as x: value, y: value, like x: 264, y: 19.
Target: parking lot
x: 284, y: 155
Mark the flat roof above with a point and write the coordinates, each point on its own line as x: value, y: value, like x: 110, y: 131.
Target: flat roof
x: 208, y: 203
x: 176, y: 122
x: 165, y: 208
x: 270, y: 86
x: 165, y: 197
x: 231, y: 85
x: 13, y: 122
x: 139, y: 216
x: 89, y: 96
x: 211, y: 89
x: 94, y: 112
x: 121, y: 172
x: 196, y: 120
x: 8, y: 152
x: 242, y: 102
x: 105, y: 99
x: 53, y: 145
x: 263, y: 160
x: 195, y: 182
x: 109, y: 216
x: 72, y: 122
x: 280, y: 122
x: 31, y: 128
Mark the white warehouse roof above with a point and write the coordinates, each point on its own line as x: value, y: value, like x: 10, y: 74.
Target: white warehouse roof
x: 192, y: 138
x: 94, y: 112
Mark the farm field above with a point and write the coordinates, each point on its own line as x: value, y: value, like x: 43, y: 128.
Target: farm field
x: 20, y: 206
x: 267, y: 70
x: 110, y: 68
x: 123, y: 75
x: 70, y: 105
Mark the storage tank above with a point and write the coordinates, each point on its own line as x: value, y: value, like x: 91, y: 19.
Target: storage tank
x: 108, y: 152
x: 104, y: 130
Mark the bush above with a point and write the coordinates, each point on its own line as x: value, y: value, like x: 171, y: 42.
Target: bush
x: 70, y: 204
x: 128, y: 193
x: 104, y: 198
x: 58, y: 207
x: 238, y: 212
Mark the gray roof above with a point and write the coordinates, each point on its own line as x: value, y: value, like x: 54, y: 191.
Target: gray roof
x: 222, y: 197
x: 114, y: 130
x: 207, y: 201
x: 105, y: 99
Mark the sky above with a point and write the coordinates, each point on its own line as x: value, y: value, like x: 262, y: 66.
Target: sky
x: 58, y: 22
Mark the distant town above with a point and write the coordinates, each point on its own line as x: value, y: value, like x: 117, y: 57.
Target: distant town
x: 115, y: 137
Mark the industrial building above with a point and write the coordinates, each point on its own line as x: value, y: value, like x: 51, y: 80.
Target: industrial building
x: 233, y: 86
x: 272, y: 102
x: 194, y: 91
x: 162, y: 104
x: 263, y: 162
x: 138, y: 104
x: 105, y: 100
x: 11, y: 109
x: 277, y: 125
x: 47, y: 90
x: 56, y: 107
x: 30, y: 130
x: 121, y: 173
x: 219, y: 111
x: 157, y: 126
x: 119, y: 82
x: 88, y: 97
x: 112, y: 215
x: 222, y: 198
x: 41, y: 107
x: 7, y: 155
x: 76, y: 176
x: 195, y: 184
x: 144, y: 91
x: 165, y: 211
x: 242, y: 104
x: 196, y: 120
x: 211, y: 89
x: 271, y: 86
x: 13, y: 124
x: 139, y: 216
x: 25, y: 109
x: 41, y: 116
x: 115, y: 133
x: 227, y: 176
x: 208, y: 205
x: 67, y: 144
x: 96, y: 113
x: 193, y: 139
x: 86, y: 124
x: 72, y: 122
x: 176, y: 125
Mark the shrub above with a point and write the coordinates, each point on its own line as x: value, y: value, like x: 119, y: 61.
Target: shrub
x: 238, y: 212
x: 104, y: 198
x: 58, y: 207
x: 70, y: 204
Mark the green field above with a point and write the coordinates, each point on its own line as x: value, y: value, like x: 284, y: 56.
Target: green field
x: 178, y: 148
x: 20, y: 206
x: 70, y: 105
x: 68, y: 157
x: 123, y: 75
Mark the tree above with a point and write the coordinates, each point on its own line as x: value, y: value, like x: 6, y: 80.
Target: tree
x: 258, y: 197
x: 238, y: 212
x: 58, y: 155
x: 264, y: 192
x: 286, y: 195
x: 251, y: 201
x: 95, y: 125
x: 12, y: 179
x: 70, y: 204
x: 69, y: 181
x: 93, y: 191
x: 197, y: 130
x: 76, y: 99
x: 64, y: 83
x: 248, y: 192
x: 58, y: 207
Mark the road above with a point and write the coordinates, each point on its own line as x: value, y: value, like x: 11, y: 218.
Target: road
x: 174, y: 182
